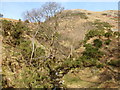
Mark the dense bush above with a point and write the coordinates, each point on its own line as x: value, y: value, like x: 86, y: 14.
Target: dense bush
x: 92, y: 52
x: 101, y: 25
x: 27, y: 21
x: 107, y: 42
x: 97, y: 43
x: 6, y: 27
x: 104, y: 14
x: 25, y: 49
x: 117, y: 33
x: 88, y: 61
x: 14, y: 30
x: 93, y: 33
x: 108, y: 34
x: 100, y: 65
x: 90, y: 34
x: 115, y: 63
x: 18, y: 30
x: 39, y: 52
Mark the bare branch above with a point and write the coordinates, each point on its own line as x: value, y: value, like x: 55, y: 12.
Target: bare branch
x: 49, y: 9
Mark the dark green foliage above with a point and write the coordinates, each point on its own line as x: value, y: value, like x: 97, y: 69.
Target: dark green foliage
x: 99, y: 31
x: 18, y: 30
x: 88, y: 61
x: 26, y: 21
x: 39, y: 52
x: 100, y: 65
x: 101, y: 25
x: 107, y: 25
x: 68, y: 63
x: 14, y: 30
x: 88, y: 45
x: 1, y: 15
x: 92, y: 52
x: 97, y: 43
x: 7, y: 27
x: 107, y: 42
x: 89, y: 13
x: 25, y: 49
x: 93, y: 33
x: 115, y: 63
x: 104, y: 14
x: 117, y: 33
x: 91, y: 55
x: 19, y: 20
x: 72, y: 63
x: 108, y: 34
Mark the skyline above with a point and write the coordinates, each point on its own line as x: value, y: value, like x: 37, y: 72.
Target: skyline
x: 14, y: 10
x: 60, y: 0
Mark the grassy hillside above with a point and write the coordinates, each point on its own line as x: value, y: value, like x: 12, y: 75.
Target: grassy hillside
x: 79, y: 49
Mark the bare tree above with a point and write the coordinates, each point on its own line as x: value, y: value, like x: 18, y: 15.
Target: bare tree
x: 50, y: 9
x: 1, y: 15
x: 35, y: 15
x: 47, y: 10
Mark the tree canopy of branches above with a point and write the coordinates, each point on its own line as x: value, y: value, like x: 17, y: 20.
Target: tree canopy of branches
x: 47, y: 10
x: 1, y: 15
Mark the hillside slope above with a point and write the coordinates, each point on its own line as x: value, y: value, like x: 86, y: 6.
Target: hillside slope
x: 78, y: 49
x: 73, y: 24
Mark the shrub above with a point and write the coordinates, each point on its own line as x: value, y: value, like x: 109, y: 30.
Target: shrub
x: 88, y: 45
x: 14, y: 30
x: 89, y: 13
x: 104, y: 14
x: 77, y: 63
x: 115, y: 63
x: 90, y: 34
x: 97, y: 43
x: 107, y: 42
x: 107, y: 25
x: 70, y: 63
x: 108, y: 34
x: 92, y: 52
x: 100, y: 65
x: 26, y: 21
x: 117, y: 33
x: 25, y: 49
x: 93, y: 33
x: 100, y: 25
x: 7, y: 27
x: 87, y: 61
x: 39, y: 52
